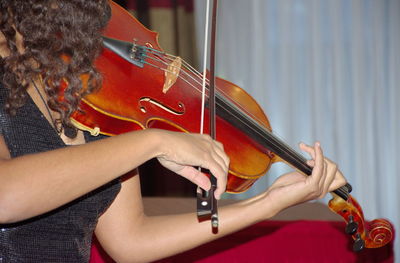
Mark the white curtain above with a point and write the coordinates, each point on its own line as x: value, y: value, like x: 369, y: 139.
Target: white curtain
x: 326, y: 70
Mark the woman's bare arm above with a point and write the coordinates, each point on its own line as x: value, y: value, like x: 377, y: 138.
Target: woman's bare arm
x: 128, y: 235
x: 34, y: 184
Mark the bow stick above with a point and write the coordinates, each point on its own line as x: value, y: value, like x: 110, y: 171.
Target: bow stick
x: 206, y: 201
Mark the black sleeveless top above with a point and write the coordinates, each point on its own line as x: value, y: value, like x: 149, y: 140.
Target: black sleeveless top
x: 62, y: 235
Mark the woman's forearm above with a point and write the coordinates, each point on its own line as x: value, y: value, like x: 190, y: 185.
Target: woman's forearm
x: 130, y: 236
x: 33, y: 184
x: 157, y: 237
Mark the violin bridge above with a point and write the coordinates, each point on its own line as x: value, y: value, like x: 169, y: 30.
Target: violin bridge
x: 171, y: 74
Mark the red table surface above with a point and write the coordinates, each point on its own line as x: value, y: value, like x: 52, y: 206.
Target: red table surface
x: 277, y: 241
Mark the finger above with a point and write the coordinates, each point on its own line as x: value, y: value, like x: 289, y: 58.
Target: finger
x: 217, y: 169
x: 218, y: 165
x: 317, y: 177
x: 311, y: 163
x: 222, y: 159
x: 324, y: 183
x: 338, y: 181
x: 219, y: 145
x: 196, y: 177
x: 216, y: 149
x: 308, y: 149
x: 330, y: 175
x: 221, y: 152
x: 215, y: 160
x: 221, y: 176
x: 318, y: 169
x: 323, y: 176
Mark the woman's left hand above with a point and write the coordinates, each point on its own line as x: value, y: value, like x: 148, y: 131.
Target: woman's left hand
x: 294, y: 188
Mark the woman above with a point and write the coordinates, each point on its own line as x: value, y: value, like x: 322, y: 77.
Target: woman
x: 58, y: 186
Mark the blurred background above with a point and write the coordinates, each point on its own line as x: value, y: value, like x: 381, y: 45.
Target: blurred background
x: 326, y: 70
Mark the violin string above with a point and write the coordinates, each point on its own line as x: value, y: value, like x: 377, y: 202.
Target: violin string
x: 185, y: 73
x: 193, y: 70
x: 197, y: 81
x: 277, y: 142
x: 249, y: 115
x: 190, y: 69
x: 192, y: 73
x: 180, y: 77
x: 246, y: 115
x: 281, y: 145
x: 172, y: 58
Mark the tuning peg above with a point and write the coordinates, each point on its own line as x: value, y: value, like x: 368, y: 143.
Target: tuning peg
x: 351, y: 227
x: 359, y: 244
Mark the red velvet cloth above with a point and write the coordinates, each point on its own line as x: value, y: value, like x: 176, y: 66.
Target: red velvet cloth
x: 278, y: 241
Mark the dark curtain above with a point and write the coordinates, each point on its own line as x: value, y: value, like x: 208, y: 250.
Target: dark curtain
x: 174, y: 22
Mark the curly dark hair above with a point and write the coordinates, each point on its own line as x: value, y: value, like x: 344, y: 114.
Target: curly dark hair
x: 52, y: 31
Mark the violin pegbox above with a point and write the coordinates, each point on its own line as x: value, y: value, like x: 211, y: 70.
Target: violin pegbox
x: 374, y: 234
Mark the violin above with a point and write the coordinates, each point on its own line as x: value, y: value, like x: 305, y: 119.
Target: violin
x: 144, y: 87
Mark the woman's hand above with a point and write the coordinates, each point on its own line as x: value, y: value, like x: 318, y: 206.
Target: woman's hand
x: 183, y: 153
x: 294, y: 188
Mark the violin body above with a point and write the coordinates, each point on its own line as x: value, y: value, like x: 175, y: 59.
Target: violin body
x: 135, y: 97
x: 145, y: 88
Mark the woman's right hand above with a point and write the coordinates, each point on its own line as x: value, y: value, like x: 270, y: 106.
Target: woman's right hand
x: 183, y: 153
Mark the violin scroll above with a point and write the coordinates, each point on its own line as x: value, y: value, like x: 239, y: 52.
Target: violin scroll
x: 374, y: 234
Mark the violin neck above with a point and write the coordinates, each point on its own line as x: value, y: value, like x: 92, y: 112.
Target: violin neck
x: 265, y: 138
